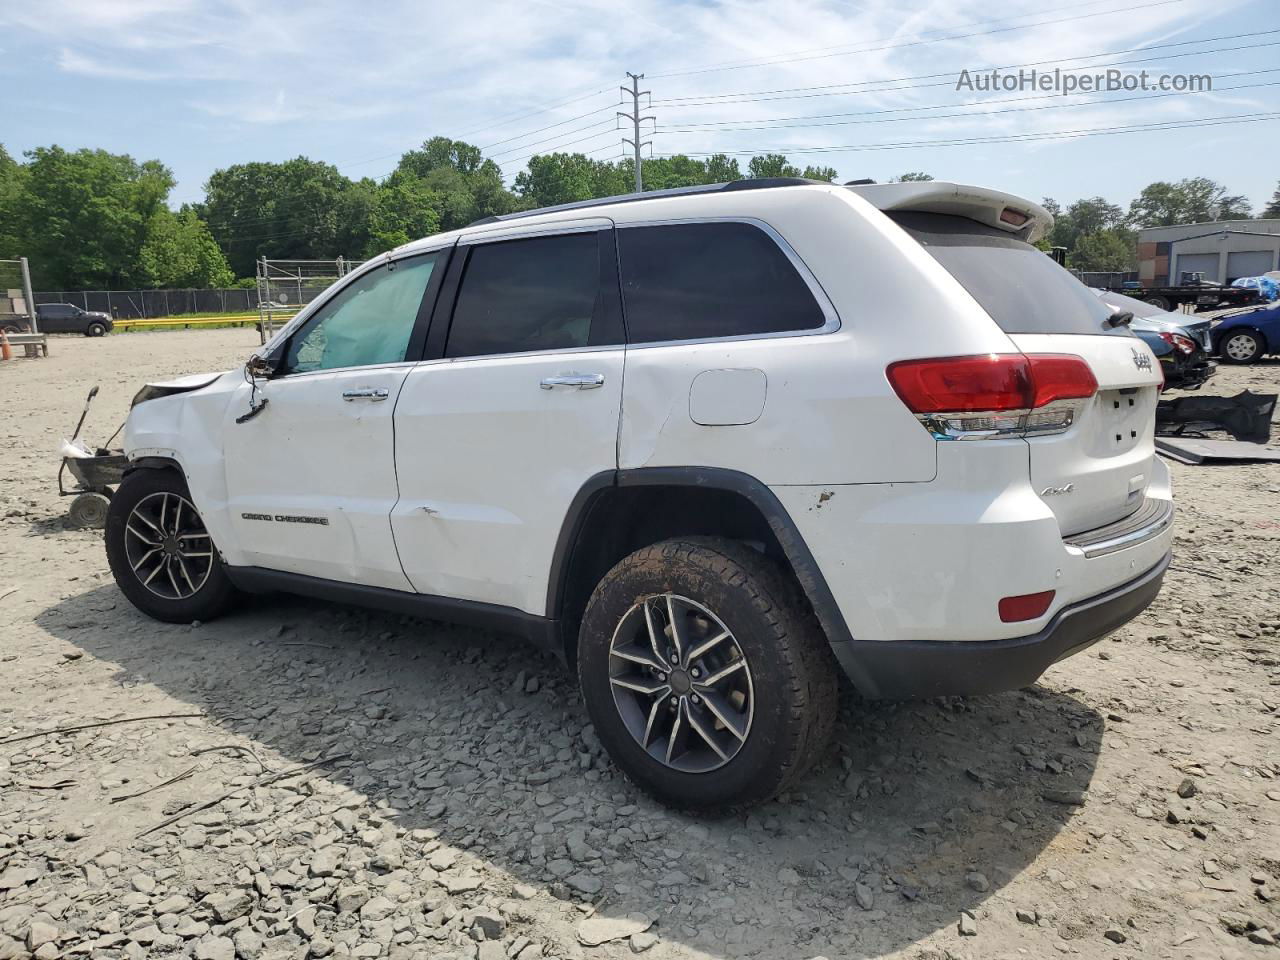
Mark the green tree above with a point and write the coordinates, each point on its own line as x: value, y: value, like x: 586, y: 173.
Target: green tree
x: 86, y: 215
x: 1083, y: 217
x: 12, y: 235
x: 913, y: 177
x: 180, y: 252
x: 1104, y: 250
x: 771, y: 165
x: 1193, y: 200
x: 663, y: 173
x: 469, y: 186
x: 402, y: 211
x: 820, y: 173
x: 1272, y: 208
x: 278, y: 210
x: 566, y: 177
x: 723, y: 169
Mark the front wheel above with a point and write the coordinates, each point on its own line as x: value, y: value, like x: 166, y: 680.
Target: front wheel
x: 1241, y: 346
x: 96, y: 329
x: 705, y: 674
x: 160, y: 553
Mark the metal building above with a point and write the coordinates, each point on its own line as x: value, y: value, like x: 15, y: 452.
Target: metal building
x: 1223, y: 251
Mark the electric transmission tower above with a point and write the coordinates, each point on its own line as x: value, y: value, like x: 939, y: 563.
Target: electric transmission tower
x: 635, y: 93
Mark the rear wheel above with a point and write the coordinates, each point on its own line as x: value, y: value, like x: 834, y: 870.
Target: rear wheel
x: 96, y: 329
x: 1160, y: 302
x: 705, y: 674
x: 160, y: 553
x: 1241, y: 346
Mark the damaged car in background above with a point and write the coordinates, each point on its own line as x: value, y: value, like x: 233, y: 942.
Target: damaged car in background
x: 1181, y: 343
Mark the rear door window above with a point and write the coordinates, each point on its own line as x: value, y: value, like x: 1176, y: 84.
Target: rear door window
x: 1020, y: 287
x: 519, y: 296
x: 697, y: 281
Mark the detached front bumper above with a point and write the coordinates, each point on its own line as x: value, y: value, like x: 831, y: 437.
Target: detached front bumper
x: 915, y: 669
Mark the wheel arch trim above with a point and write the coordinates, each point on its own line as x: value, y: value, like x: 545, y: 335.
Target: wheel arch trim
x: 752, y: 489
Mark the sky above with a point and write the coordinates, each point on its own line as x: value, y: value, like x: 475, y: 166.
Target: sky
x: 865, y: 86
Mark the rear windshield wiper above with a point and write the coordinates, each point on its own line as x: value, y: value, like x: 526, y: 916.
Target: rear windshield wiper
x: 1121, y: 319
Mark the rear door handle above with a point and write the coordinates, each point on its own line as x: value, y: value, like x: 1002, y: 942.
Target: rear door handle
x: 583, y: 381
x: 366, y: 393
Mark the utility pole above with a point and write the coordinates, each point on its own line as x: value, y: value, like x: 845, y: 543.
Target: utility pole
x: 29, y: 294
x: 636, y: 93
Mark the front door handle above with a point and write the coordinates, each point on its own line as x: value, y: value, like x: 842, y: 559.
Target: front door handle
x: 366, y: 393
x: 583, y: 381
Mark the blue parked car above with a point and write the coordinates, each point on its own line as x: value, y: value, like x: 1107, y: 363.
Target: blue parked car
x: 1248, y: 337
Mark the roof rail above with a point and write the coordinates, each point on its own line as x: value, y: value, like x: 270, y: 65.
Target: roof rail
x: 755, y: 183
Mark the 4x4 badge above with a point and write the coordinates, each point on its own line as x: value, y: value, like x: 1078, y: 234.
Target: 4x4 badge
x: 1141, y: 360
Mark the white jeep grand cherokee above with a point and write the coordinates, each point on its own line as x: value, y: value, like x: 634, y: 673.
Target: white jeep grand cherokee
x: 709, y: 445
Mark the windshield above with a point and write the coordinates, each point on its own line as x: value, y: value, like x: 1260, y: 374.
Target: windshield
x: 1021, y: 288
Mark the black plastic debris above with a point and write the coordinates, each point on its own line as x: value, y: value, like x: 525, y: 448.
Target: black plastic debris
x: 1246, y: 416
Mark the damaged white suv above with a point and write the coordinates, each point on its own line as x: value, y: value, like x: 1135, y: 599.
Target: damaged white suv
x: 710, y: 445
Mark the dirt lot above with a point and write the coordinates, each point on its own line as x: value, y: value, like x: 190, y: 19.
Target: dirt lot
x: 1127, y: 806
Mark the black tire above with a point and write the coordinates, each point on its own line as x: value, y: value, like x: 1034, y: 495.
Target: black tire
x: 1160, y: 302
x: 96, y: 329
x: 1247, y: 345
x: 213, y: 593
x: 12, y: 328
x: 792, y: 673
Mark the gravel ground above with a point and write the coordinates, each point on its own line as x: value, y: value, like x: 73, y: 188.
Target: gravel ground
x: 460, y: 805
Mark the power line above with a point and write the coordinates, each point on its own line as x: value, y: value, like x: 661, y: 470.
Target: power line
x: 765, y: 61
x: 1004, y: 138
x: 937, y: 106
x: 555, y: 148
x: 915, y: 43
x: 611, y: 124
x: 837, y: 89
x: 721, y: 128
x: 513, y: 118
x: 549, y: 126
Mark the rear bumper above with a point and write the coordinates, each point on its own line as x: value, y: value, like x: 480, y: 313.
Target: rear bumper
x: 911, y: 669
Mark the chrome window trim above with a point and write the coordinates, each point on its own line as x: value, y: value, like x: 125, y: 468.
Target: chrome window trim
x: 559, y: 351
x: 530, y: 231
x: 831, y: 323
x: 371, y: 367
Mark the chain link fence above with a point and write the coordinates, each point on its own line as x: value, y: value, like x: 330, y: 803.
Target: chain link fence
x: 145, y: 304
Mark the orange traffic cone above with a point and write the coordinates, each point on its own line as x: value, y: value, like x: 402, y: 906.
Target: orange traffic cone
x: 6, y: 351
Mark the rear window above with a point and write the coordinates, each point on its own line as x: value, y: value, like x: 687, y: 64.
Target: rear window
x: 698, y: 281
x: 1021, y: 288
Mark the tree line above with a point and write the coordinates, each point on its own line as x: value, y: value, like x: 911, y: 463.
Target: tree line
x: 89, y: 219
x: 1099, y: 235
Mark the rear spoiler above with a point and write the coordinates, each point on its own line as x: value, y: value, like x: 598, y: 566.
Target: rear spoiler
x: 994, y: 208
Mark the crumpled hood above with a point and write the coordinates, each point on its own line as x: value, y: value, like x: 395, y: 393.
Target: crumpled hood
x: 167, y: 388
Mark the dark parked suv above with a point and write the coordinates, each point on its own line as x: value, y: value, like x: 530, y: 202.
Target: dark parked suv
x: 64, y: 318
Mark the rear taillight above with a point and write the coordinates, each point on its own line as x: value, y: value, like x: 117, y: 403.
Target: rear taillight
x: 994, y: 394
x: 1183, y: 344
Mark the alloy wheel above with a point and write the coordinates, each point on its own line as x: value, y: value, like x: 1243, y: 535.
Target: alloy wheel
x: 681, y: 683
x: 167, y: 546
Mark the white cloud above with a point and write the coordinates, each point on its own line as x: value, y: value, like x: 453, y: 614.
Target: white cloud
x: 374, y: 80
